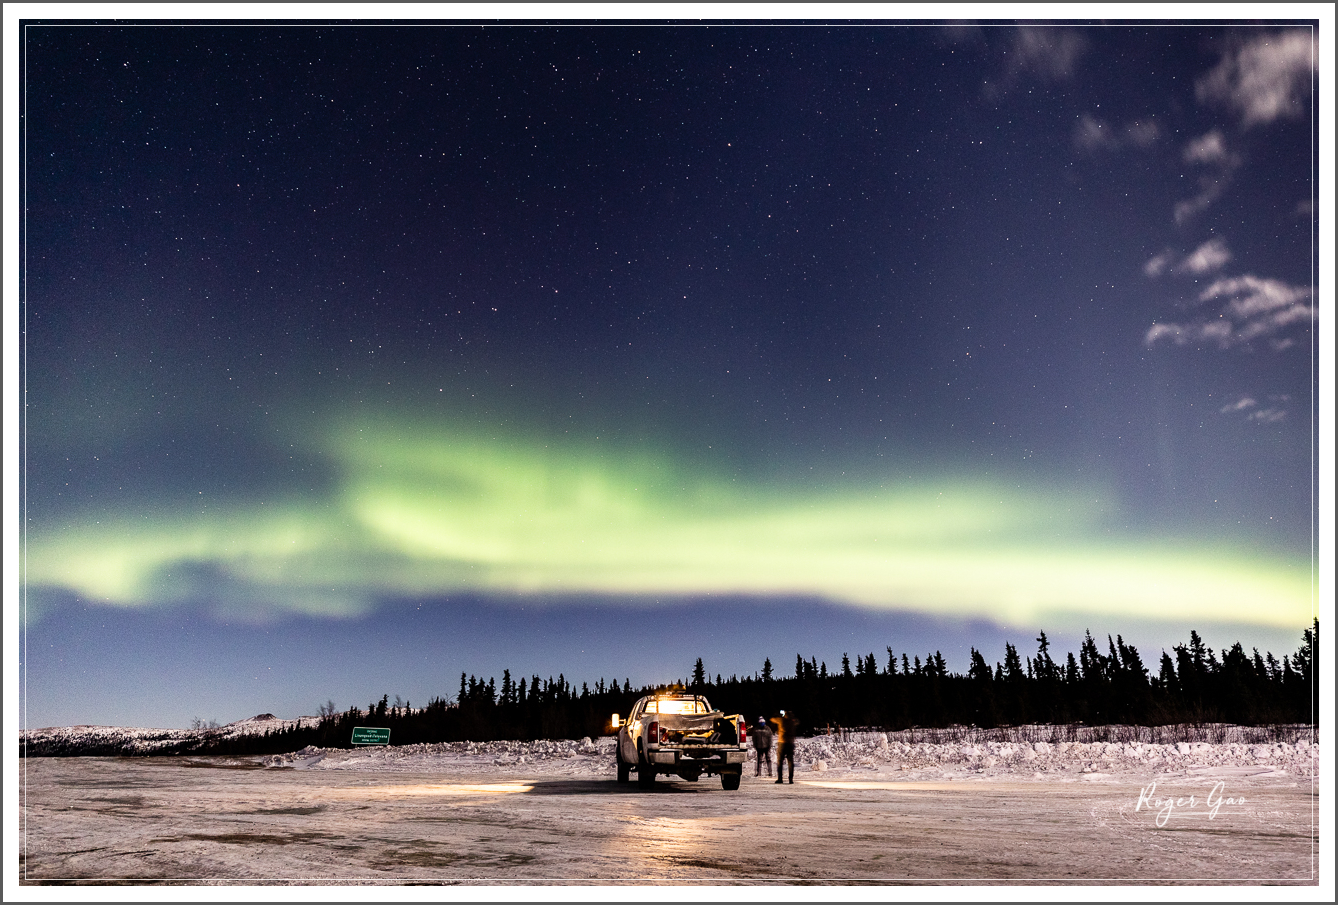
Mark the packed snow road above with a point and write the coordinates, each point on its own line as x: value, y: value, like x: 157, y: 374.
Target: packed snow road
x: 456, y: 814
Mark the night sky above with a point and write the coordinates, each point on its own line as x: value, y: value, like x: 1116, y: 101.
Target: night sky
x: 361, y: 356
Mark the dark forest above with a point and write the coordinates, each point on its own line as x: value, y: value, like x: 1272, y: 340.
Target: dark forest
x: 1190, y: 685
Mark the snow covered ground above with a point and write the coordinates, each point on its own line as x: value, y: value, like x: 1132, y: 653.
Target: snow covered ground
x: 863, y: 754
x: 949, y: 806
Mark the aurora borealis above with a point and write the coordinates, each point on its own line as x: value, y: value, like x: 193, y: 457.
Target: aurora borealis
x: 440, y: 512
x: 517, y: 346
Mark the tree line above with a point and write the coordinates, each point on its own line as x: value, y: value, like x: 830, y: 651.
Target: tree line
x: 532, y: 708
x: 1190, y: 684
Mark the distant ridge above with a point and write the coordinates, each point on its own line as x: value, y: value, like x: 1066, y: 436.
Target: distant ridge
x: 114, y: 741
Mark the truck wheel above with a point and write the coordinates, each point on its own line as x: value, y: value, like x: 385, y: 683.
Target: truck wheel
x: 645, y: 773
x: 730, y: 781
x: 624, y: 770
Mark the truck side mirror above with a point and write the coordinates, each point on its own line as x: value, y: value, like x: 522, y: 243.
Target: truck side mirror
x: 615, y: 721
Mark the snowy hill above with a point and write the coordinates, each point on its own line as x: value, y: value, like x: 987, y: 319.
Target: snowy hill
x: 109, y: 741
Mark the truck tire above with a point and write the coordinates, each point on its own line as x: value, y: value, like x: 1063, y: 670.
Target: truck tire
x: 645, y: 773
x: 624, y: 770
x: 730, y: 781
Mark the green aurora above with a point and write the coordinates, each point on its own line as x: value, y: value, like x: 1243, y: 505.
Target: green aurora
x: 423, y: 512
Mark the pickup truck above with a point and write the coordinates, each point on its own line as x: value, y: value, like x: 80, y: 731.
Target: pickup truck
x: 679, y: 734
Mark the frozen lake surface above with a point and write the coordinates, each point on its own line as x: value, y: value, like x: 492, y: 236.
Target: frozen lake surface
x: 868, y: 809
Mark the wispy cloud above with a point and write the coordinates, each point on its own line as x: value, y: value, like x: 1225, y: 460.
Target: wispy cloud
x: 1187, y: 209
x: 1251, y: 296
x: 961, y: 33
x: 1264, y: 79
x: 1248, y: 309
x: 1184, y: 334
x: 1142, y: 133
x: 1049, y: 52
x: 1092, y: 133
x: 1250, y: 409
x: 1159, y: 264
x: 1209, y: 149
x: 1209, y: 256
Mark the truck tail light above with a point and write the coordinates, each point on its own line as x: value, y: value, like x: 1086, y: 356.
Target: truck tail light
x: 743, y: 731
x: 653, y: 733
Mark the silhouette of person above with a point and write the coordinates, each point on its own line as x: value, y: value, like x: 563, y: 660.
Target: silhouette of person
x: 786, y: 725
x: 762, y: 745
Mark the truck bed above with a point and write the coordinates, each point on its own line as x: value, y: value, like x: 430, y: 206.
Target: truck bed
x: 698, y: 729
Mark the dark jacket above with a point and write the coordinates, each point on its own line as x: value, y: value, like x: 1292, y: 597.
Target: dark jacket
x: 762, y: 738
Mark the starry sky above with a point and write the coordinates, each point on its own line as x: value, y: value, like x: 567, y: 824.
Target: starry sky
x: 361, y: 355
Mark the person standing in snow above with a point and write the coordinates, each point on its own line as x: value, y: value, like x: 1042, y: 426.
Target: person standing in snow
x: 762, y: 745
x: 786, y: 724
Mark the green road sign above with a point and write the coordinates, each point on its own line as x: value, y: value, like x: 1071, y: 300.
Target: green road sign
x: 365, y: 736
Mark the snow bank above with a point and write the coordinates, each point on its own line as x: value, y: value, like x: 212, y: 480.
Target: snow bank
x: 883, y: 753
x: 857, y: 755
x: 585, y: 756
x: 1024, y: 752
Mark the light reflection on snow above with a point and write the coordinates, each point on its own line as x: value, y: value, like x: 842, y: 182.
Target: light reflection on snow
x: 493, y: 788
x: 890, y: 786
x: 657, y: 841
